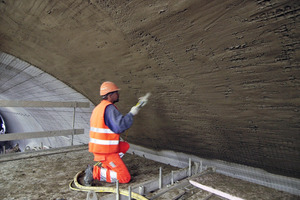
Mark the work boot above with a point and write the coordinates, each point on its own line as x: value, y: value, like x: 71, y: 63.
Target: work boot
x: 88, y: 177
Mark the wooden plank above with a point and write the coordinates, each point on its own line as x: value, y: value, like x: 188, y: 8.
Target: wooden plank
x: 16, y: 103
x: 28, y: 135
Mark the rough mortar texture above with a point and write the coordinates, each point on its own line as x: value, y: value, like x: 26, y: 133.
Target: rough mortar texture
x: 224, y: 74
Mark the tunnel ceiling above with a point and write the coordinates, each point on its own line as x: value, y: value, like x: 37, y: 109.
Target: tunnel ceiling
x: 224, y: 74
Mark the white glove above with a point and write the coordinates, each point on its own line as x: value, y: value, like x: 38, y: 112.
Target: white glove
x: 134, y: 110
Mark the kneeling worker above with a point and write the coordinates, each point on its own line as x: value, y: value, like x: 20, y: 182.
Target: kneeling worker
x: 106, y: 125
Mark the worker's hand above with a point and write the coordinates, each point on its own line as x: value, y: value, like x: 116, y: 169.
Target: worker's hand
x: 134, y: 110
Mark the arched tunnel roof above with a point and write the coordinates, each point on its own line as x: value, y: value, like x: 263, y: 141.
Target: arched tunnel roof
x: 22, y: 81
x: 224, y: 74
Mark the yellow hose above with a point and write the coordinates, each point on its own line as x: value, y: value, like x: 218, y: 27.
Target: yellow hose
x: 80, y: 187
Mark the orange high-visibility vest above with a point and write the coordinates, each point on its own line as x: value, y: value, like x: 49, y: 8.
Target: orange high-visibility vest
x: 102, y: 139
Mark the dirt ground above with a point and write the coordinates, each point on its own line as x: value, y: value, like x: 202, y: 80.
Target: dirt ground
x: 49, y: 176
x: 240, y: 188
x: 232, y: 186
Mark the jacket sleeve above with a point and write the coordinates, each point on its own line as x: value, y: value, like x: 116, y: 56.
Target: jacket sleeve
x: 116, y: 121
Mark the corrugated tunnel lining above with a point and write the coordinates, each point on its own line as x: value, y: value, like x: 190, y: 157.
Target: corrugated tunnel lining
x: 22, y: 81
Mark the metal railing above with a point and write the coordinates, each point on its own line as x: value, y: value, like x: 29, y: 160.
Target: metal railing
x: 44, y: 104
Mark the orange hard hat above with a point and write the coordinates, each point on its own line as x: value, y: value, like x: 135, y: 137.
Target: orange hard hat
x: 108, y: 87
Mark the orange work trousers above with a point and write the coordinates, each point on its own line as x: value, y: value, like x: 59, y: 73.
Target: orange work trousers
x: 113, y: 167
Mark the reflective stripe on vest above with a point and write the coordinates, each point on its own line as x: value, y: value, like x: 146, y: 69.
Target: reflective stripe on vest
x: 104, y: 142
x: 102, y: 139
x: 101, y: 130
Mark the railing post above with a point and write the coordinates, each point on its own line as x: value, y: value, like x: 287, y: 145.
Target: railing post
x: 117, y: 191
x: 73, y: 125
x: 172, y: 177
x: 160, y: 178
x: 141, y: 190
x: 190, y: 167
x: 129, y: 193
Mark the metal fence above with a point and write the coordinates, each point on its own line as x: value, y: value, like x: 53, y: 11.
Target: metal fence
x: 43, y: 104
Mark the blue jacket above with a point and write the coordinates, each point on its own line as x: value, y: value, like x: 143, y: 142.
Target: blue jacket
x: 116, y: 121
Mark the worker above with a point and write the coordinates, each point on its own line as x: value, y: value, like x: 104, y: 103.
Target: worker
x: 106, y: 125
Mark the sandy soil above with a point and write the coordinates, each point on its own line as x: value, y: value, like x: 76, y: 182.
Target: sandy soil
x: 232, y: 186
x: 48, y: 177
x: 241, y: 189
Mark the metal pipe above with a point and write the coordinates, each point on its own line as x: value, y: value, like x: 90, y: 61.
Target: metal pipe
x: 73, y: 125
x: 117, y: 191
x: 190, y: 167
x: 172, y: 177
x: 160, y: 178
x: 129, y: 193
x: 141, y: 190
x: 201, y: 169
x: 196, y: 167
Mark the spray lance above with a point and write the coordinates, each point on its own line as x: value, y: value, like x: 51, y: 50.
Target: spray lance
x: 143, y: 100
x: 141, y: 103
